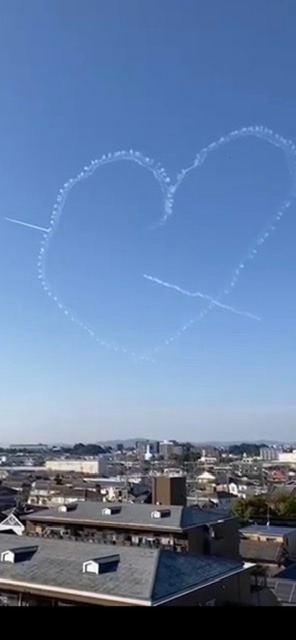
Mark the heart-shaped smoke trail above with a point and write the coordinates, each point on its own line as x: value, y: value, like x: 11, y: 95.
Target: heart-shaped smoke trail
x: 168, y: 190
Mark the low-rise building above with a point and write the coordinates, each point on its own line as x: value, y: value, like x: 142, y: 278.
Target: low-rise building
x: 184, y: 529
x: 63, y: 573
x: 270, y: 546
x: 91, y: 466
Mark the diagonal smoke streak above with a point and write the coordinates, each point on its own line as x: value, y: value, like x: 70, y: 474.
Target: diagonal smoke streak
x: 203, y: 296
x: 26, y: 224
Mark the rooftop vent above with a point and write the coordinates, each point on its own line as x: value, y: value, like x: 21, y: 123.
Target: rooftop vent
x: 20, y: 554
x: 71, y: 506
x: 110, y: 511
x: 105, y: 564
x: 161, y: 513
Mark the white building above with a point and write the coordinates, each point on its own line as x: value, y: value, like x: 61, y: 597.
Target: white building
x: 206, y: 478
x: 269, y: 453
x: 90, y: 466
x: 287, y: 457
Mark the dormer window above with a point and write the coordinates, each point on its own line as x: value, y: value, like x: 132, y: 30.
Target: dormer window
x: 161, y: 513
x: 111, y: 511
x: 19, y: 554
x: 104, y: 564
x: 71, y: 506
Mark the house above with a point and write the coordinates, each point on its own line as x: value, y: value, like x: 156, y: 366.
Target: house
x: 8, y: 497
x: 270, y: 546
x: 65, y: 573
x: 50, y: 494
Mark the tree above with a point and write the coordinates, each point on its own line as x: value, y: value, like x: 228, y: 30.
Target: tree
x: 250, y: 508
x: 284, y: 505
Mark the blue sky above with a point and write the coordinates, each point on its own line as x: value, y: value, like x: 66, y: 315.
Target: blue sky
x: 81, y: 79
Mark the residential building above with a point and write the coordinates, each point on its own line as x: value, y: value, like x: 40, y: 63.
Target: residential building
x: 8, y: 497
x: 269, y: 454
x: 286, y: 457
x: 268, y: 545
x: 60, y: 573
x: 32, y: 448
x: 169, y: 490
x: 91, y: 466
x: 50, y: 494
x: 208, y: 458
x: 211, y: 499
x: 184, y: 529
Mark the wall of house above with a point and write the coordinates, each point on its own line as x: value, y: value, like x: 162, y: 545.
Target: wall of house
x: 226, y: 540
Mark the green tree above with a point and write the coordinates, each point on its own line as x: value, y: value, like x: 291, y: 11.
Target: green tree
x: 284, y: 505
x: 251, y: 508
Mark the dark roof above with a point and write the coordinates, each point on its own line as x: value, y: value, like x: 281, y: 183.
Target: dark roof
x: 284, y: 590
x: 225, y: 494
x: 133, y: 514
x: 143, y: 575
x: 7, y: 491
x: 267, y: 530
x: 287, y: 574
x: 251, y: 550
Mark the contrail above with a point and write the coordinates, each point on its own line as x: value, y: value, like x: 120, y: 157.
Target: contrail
x: 26, y: 224
x: 198, y: 294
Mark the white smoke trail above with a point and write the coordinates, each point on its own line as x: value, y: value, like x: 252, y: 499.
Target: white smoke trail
x: 168, y: 190
x: 26, y: 224
x: 198, y: 294
x: 289, y: 149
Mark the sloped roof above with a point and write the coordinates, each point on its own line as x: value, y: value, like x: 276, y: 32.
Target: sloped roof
x: 144, y: 575
x: 252, y: 550
x: 180, y: 518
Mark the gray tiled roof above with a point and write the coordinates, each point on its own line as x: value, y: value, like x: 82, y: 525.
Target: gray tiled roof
x: 267, y: 530
x: 177, y: 572
x: 132, y: 514
x: 268, y: 551
x: 142, y: 574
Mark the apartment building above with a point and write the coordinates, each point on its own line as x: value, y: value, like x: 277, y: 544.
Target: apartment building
x: 184, y: 529
x: 64, y: 573
x: 87, y: 466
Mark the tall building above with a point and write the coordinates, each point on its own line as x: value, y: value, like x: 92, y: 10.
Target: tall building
x: 269, y: 453
x: 169, y: 490
x: 166, y: 449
